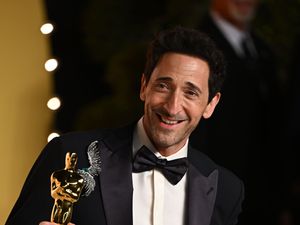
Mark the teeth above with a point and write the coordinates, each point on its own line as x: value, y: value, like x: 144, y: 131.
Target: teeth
x: 170, y: 122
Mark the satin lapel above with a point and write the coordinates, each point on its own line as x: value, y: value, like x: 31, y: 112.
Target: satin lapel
x: 201, y: 195
x: 116, y: 178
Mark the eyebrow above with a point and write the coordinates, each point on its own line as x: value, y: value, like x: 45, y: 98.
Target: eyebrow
x: 193, y: 86
x: 188, y: 83
x: 164, y: 79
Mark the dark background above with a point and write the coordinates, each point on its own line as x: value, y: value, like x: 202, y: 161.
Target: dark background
x: 101, y: 46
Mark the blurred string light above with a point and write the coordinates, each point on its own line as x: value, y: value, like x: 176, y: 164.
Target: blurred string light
x: 52, y: 135
x: 46, y: 28
x: 54, y: 103
x: 51, y: 65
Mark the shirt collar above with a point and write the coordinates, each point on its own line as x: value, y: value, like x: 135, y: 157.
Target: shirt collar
x: 231, y: 33
x: 140, y: 138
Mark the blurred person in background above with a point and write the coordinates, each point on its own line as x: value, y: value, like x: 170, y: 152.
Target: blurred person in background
x: 246, y: 122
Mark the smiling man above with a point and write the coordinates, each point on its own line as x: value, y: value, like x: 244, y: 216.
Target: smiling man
x: 149, y: 174
x: 176, y: 97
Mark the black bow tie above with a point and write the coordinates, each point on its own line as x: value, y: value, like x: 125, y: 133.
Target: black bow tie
x: 173, y: 170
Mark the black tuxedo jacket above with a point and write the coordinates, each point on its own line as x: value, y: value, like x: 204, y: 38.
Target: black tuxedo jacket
x: 214, y: 194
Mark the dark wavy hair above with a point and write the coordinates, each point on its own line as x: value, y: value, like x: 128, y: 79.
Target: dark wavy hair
x: 189, y: 42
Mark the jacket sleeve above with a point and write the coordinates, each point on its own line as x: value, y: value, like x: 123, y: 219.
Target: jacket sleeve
x: 237, y: 209
x: 35, y: 202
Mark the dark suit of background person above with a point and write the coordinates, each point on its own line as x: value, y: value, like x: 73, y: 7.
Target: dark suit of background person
x: 178, y: 67
x: 290, y: 197
x: 242, y: 122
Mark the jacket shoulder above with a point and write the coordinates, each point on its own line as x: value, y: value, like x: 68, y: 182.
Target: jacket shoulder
x: 230, y: 188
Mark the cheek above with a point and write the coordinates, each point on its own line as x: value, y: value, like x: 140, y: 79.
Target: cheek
x: 154, y: 99
x: 195, y: 111
x: 197, y: 116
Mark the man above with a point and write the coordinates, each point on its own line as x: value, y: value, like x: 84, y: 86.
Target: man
x: 244, y: 122
x: 138, y: 183
x: 243, y: 119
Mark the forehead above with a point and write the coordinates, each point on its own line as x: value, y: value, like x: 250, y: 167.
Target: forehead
x: 182, y: 67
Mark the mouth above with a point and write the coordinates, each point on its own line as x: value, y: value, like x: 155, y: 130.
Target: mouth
x: 169, y: 121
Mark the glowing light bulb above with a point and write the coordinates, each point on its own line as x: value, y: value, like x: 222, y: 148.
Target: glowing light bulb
x: 54, y: 103
x: 51, y: 64
x: 46, y: 28
x: 52, y: 135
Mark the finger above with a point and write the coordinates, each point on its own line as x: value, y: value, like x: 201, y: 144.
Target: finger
x: 49, y: 223
x: 46, y: 223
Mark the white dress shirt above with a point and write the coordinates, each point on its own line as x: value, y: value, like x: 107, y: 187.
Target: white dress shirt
x: 155, y: 200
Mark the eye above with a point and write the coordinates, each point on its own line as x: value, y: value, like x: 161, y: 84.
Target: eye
x: 191, y: 94
x: 161, y: 86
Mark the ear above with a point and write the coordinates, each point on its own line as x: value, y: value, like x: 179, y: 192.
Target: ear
x: 211, y: 106
x: 143, y: 88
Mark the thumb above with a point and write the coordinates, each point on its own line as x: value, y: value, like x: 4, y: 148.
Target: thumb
x: 49, y: 223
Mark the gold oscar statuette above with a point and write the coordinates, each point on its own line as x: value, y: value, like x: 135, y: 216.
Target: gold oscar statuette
x: 66, y: 187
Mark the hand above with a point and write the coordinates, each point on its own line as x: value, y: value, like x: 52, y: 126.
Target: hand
x: 49, y: 223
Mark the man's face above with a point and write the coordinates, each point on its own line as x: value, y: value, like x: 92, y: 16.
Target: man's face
x: 239, y: 12
x: 175, y: 98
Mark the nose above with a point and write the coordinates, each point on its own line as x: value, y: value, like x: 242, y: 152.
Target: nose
x: 173, y: 103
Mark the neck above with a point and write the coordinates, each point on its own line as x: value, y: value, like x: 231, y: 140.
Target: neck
x: 166, y: 152
x: 241, y: 26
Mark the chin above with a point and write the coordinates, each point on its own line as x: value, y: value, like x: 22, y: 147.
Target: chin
x: 161, y: 141
x: 242, y: 17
